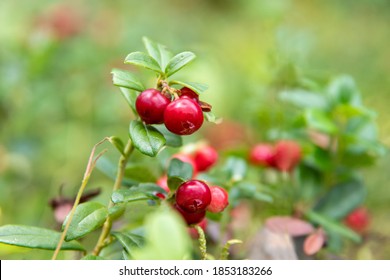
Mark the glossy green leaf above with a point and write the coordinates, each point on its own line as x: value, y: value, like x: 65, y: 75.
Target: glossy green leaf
x: 147, y: 139
x: 333, y: 226
x: 157, y: 51
x: 116, y: 211
x: 35, y: 237
x: 304, y: 99
x: 341, y: 199
x: 178, y: 61
x: 197, y: 87
x: 126, y: 79
x: 140, y: 173
x: 118, y: 143
x: 174, y: 182
x: 140, y: 192
x: 143, y: 60
x: 129, y: 241
x: 178, y: 168
x: 130, y: 96
x: 172, y: 140
x: 318, y: 120
x: 88, y: 217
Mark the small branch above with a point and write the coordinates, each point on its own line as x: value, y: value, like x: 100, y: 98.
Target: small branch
x: 91, y: 164
x: 118, y: 182
x: 225, y: 250
x: 202, y: 243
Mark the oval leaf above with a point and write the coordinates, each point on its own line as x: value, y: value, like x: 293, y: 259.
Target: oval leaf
x: 318, y: 120
x: 130, y: 96
x: 87, y: 217
x: 129, y: 241
x: 140, y: 192
x: 178, y: 61
x: 118, y: 143
x: 116, y: 211
x: 197, y: 87
x: 143, y: 60
x: 35, y: 237
x: 291, y: 226
x: 157, y: 51
x: 181, y: 169
x: 314, y: 242
x: 147, y: 139
x: 122, y: 78
x: 172, y: 140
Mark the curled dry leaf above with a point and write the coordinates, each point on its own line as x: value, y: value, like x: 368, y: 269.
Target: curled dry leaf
x: 314, y: 242
x: 289, y: 225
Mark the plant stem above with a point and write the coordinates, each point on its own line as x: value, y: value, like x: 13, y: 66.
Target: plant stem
x: 202, y: 243
x: 118, y: 182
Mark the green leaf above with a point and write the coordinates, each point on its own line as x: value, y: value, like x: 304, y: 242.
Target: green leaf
x: 166, y: 238
x: 140, y: 192
x: 130, y: 96
x: 87, y: 217
x: 147, y: 139
x: 174, y: 182
x: 320, y: 121
x: 116, y: 211
x: 92, y: 258
x: 157, y: 51
x: 247, y: 190
x: 178, y: 61
x: 333, y: 226
x: 341, y: 200
x: 118, y: 143
x: 304, y: 99
x: 172, y: 140
x: 210, y: 117
x: 35, y: 237
x: 143, y: 60
x: 140, y: 173
x: 129, y: 241
x: 236, y: 168
x: 343, y: 90
x: 122, y: 78
x: 181, y: 169
x: 197, y: 87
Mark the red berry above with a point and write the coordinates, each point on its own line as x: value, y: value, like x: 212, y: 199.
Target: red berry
x: 262, y: 154
x: 287, y: 155
x: 150, y: 105
x: 190, y: 218
x: 219, y: 199
x: 163, y: 183
x: 188, y: 159
x: 358, y: 219
x: 193, y: 196
x: 183, y: 116
x: 193, y: 232
x: 205, y: 157
x: 187, y: 92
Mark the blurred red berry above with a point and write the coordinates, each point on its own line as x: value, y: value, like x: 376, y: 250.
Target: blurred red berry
x: 262, y: 154
x: 219, y: 199
x: 358, y: 219
x: 205, y: 157
x: 287, y: 155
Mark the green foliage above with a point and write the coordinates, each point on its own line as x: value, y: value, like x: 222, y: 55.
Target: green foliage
x: 136, y: 193
x: 147, y: 139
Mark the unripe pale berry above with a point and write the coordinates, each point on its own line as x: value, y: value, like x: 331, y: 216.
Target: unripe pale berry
x: 219, y: 199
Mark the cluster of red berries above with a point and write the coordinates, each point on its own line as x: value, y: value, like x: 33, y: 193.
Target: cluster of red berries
x: 283, y: 155
x: 183, y: 115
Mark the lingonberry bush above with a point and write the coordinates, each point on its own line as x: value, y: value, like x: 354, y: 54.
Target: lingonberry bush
x: 175, y: 199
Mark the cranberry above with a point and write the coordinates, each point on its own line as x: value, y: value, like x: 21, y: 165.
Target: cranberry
x: 188, y: 159
x: 205, y: 157
x: 262, y: 154
x: 187, y: 92
x: 163, y: 183
x: 150, y: 105
x: 219, y: 199
x: 358, y: 219
x: 193, y: 232
x: 193, y: 196
x: 183, y: 116
x: 287, y: 155
x: 190, y: 218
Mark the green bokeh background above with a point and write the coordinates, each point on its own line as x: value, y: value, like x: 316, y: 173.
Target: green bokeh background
x: 57, y: 99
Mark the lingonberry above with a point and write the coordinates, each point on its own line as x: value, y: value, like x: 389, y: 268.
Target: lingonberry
x: 219, y: 199
x: 205, y: 157
x: 193, y: 232
x: 187, y: 92
x: 287, y: 155
x: 187, y: 159
x: 193, y: 196
x: 262, y: 154
x: 358, y: 219
x: 183, y: 116
x: 150, y: 105
x: 190, y: 218
x: 163, y: 183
